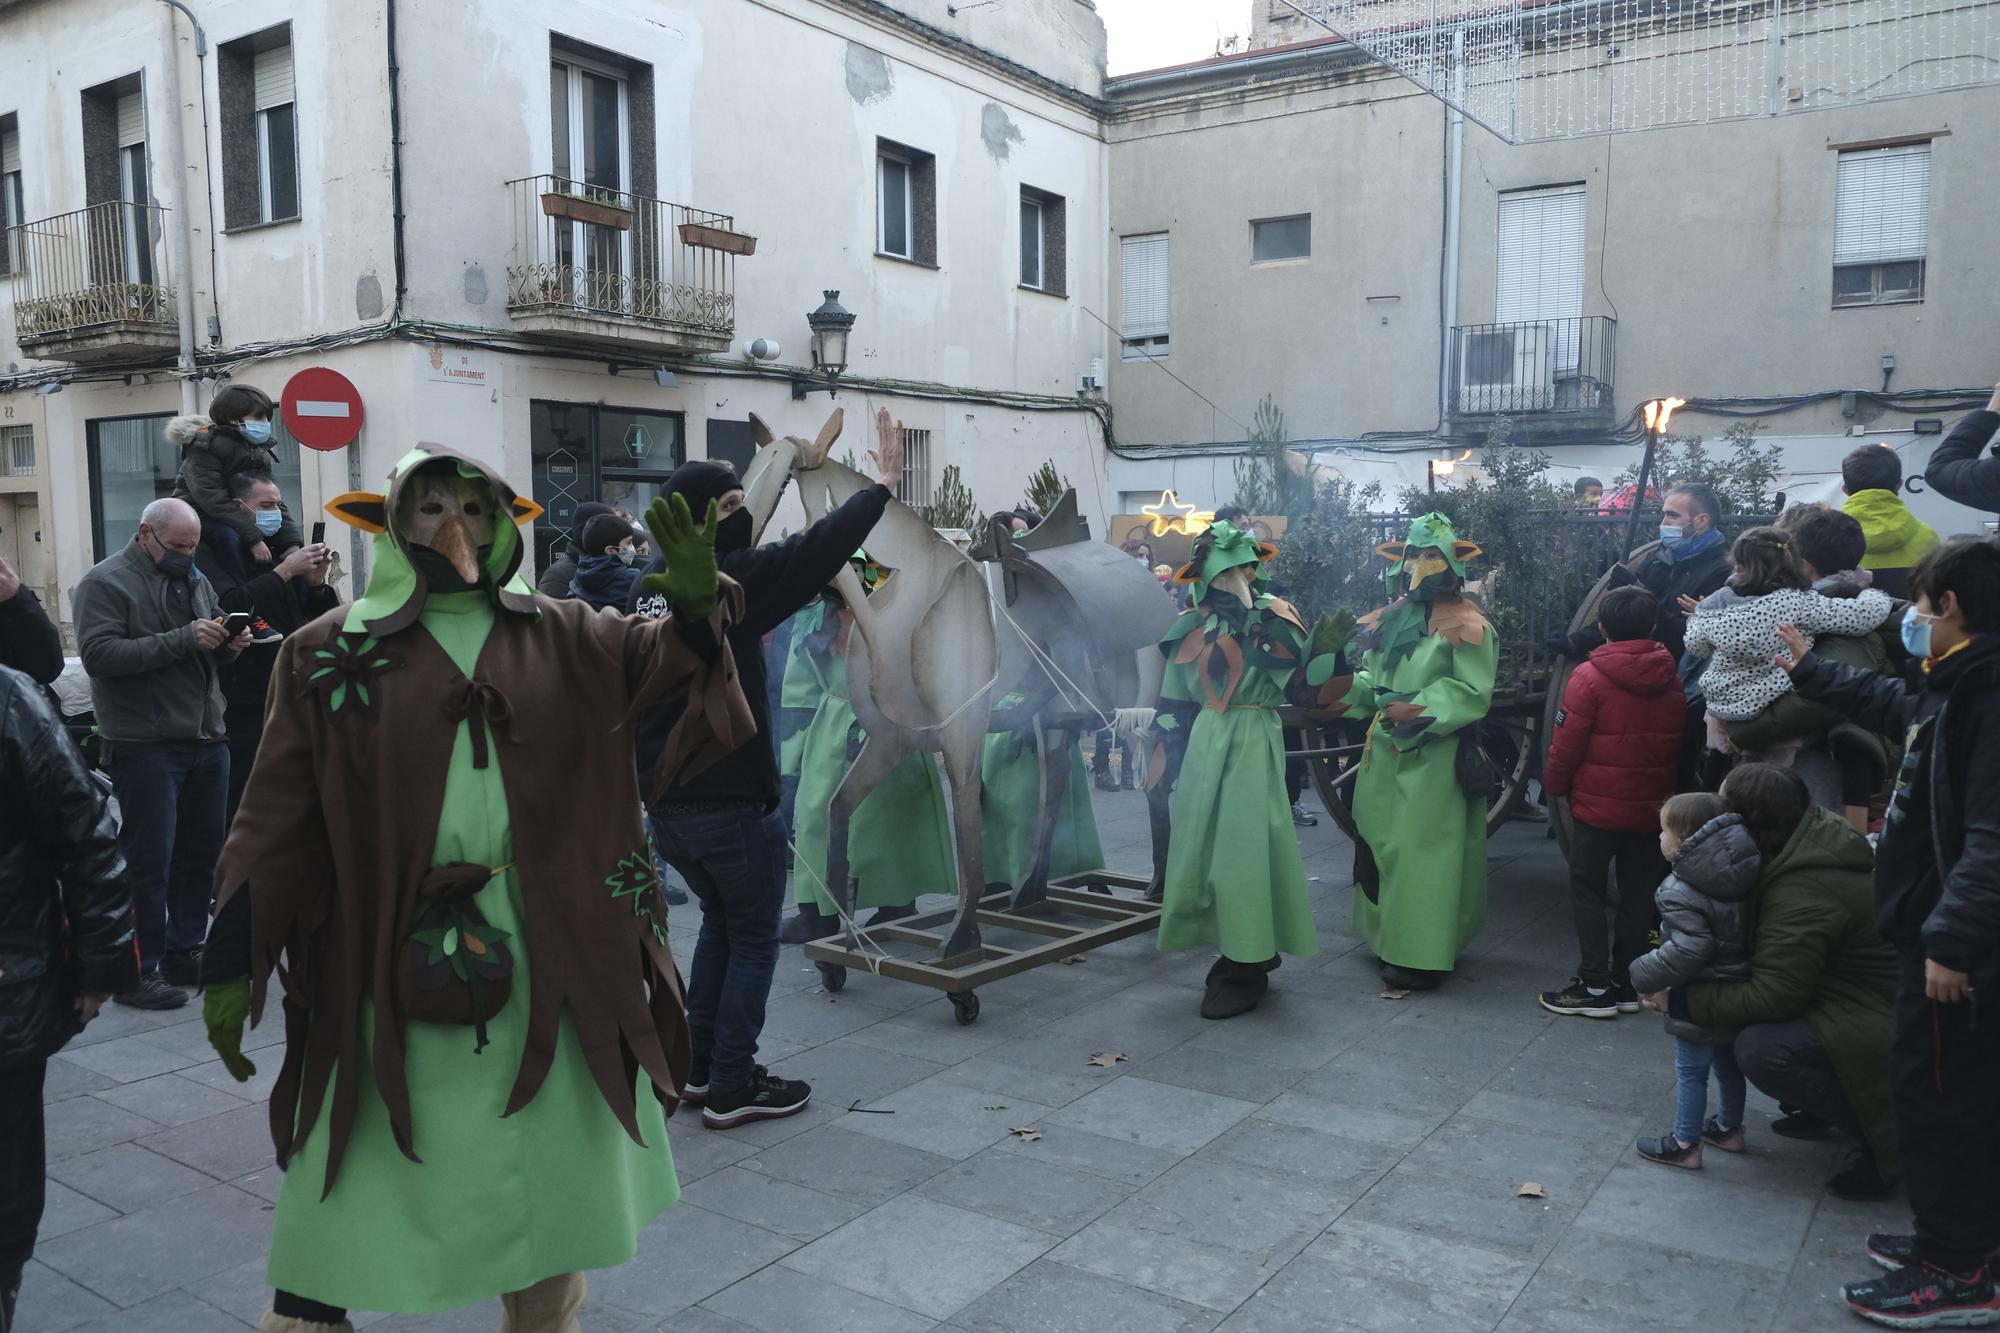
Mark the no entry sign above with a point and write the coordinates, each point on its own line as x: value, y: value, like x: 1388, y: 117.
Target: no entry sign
x: 322, y: 408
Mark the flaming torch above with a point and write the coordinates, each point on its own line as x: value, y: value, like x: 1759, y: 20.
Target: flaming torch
x: 1443, y: 467
x: 1658, y: 413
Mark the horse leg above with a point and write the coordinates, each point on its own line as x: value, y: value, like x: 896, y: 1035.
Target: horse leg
x: 962, y: 745
x: 1052, y: 762
x: 870, y: 768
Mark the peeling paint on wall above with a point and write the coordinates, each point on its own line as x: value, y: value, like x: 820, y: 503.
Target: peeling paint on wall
x: 475, y: 285
x: 869, y: 78
x: 368, y: 296
x: 999, y: 131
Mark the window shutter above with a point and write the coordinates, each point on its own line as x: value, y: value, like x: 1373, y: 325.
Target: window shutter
x: 1540, y: 259
x: 1882, y: 205
x: 10, y: 152
x: 273, y: 77
x: 1145, y: 298
x: 131, y: 121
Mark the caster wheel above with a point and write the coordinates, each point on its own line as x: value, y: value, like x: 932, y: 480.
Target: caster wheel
x: 832, y: 975
x: 965, y: 1005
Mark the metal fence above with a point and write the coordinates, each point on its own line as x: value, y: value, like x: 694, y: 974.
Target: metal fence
x: 1534, y: 366
x: 95, y: 267
x: 583, y: 249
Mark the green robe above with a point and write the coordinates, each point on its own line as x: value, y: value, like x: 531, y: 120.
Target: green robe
x: 899, y: 841
x: 798, y: 692
x: 1427, y: 833
x: 1234, y: 878
x: 1010, y: 800
x: 498, y: 1203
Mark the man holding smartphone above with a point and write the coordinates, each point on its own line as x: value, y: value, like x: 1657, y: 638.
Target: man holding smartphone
x: 155, y: 644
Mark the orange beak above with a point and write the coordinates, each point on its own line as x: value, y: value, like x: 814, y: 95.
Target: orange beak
x: 451, y: 542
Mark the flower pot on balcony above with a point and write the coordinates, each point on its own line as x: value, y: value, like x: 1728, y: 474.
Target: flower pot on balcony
x: 597, y: 212
x: 717, y: 238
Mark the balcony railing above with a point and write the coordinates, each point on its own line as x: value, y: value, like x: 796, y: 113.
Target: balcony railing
x: 1534, y: 367
x: 92, y: 273
x: 596, y: 255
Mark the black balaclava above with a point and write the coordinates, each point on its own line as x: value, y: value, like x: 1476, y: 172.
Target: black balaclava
x: 699, y: 481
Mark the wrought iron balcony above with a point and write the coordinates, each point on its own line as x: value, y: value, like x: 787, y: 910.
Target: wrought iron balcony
x: 620, y: 270
x: 1534, y: 368
x: 93, y: 285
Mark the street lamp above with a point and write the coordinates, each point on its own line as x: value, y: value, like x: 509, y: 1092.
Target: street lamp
x: 830, y: 325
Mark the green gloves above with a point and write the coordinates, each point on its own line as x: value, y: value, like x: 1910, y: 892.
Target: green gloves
x: 689, y: 578
x: 1330, y: 637
x: 224, y: 1010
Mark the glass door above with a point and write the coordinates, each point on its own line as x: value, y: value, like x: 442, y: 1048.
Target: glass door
x: 589, y: 107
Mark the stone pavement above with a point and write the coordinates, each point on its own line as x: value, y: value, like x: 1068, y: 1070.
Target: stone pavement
x: 1334, y: 1161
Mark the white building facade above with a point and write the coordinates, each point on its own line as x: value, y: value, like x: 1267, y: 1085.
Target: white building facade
x: 545, y: 238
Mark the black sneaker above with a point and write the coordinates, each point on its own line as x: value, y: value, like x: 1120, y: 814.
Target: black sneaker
x: 1670, y: 1151
x: 1922, y: 1295
x: 1800, y: 1124
x: 695, y: 1093
x: 181, y: 969
x: 1105, y: 782
x: 765, y: 1097
x: 1577, y: 998
x: 1627, y: 998
x: 1900, y: 1251
x: 262, y: 631
x: 1303, y: 817
x: 152, y: 993
x: 1860, y: 1181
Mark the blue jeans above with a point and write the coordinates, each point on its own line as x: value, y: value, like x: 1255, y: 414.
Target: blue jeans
x: 1692, y: 1062
x: 171, y: 796
x: 733, y: 859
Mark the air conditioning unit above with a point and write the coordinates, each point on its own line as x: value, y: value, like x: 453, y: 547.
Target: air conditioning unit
x: 1507, y: 368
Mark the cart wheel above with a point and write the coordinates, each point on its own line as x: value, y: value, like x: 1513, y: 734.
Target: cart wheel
x: 832, y: 975
x: 965, y: 1005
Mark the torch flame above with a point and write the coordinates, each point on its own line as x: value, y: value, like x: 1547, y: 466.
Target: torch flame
x: 1184, y: 519
x: 1444, y: 467
x: 1660, y: 411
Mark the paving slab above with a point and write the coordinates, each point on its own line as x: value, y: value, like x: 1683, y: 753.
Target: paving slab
x: 1026, y: 1191
x: 943, y: 1117
x: 1154, y: 1115
x: 128, y: 1177
x: 1052, y: 1297
x: 780, y: 1299
x: 922, y: 1255
x: 780, y: 1206
x: 155, y: 1250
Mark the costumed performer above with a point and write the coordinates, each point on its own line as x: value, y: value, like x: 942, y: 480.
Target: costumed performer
x: 1010, y: 803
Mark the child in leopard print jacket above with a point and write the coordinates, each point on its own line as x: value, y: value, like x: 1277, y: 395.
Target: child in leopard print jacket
x: 1736, y: 628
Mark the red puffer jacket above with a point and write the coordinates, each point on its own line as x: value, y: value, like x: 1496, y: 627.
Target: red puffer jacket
x: 1618, y: 737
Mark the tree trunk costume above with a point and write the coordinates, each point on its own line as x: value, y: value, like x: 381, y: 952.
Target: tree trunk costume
x: 899, y: 840
x: 1234, y: 878
x: 442, y: 845
x: 1010, y: 800
x: 1421, y: 896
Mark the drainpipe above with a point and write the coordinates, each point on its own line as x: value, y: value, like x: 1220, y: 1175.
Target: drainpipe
x: 178, y: 238
x: 1453, y: 200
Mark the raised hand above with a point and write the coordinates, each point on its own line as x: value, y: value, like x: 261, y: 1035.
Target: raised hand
x: 689, y: 580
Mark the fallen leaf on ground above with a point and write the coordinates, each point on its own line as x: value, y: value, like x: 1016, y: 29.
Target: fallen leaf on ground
x: 1106, y: 1059
x: 1394, y: 993
x: 1025, y: 1135
x: 1531, y: 1190
x: 1073, y: 958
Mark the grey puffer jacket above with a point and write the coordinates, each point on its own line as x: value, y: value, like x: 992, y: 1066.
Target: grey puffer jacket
x: 1706, y: 926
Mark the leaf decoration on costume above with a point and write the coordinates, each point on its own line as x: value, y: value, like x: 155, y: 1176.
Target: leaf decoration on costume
x: 346, y: 669
x: 1332, y: 635
x: 634, y: 877
x: 1402, y: 628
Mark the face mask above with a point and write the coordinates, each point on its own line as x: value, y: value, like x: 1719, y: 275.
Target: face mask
x: 257, y: 432
x: 175, y: 564
x: 1672, y: 535
x: 733, y: 533
x: 269, y: 521
x: 627, y: 554
x: 1917, y: 632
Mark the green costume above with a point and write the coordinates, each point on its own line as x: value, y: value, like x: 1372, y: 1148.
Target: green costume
x: 1234, y: 878
x: 1432, y: 648
x: 899, y: 840
x: 483, y: 1020
x: 1010, y: 802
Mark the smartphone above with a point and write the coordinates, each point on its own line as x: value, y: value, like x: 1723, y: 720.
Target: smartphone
x: 319, y: 533
x: 236, y: 623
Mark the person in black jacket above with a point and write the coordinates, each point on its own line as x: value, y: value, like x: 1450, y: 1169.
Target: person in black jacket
x: 604, y: 573
x: 68, y: 940
x: 1693, y: 561
x: 723, y: 834
x: 29, y: 640
x: 1937, y: 892
x: 1956, y: 470
x: 555, y: 580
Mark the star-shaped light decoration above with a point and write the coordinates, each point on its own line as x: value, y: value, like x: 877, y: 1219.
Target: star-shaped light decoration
x: 1185, y: 519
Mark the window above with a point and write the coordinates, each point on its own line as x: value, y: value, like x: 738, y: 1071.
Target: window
x: 1143, y: 309
x: 905, y: 203
x: 601, y: 148
x: 131, y: 465
x: 583, y: 451
x: 1881, y: 228
x: 1043, y: 242
x: 17, y: 450
x: 134, y: 189
x: 260, y: 132
x: 915, y: 488
x: 1274, y: 240
x: 1539, y: 262
x: 12, y: 214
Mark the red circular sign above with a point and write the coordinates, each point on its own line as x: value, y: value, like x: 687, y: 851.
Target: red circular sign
x: 322, y: 408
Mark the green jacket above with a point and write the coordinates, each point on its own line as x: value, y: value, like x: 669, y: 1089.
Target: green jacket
x: 1897, y: 539
x: 1817, y: 956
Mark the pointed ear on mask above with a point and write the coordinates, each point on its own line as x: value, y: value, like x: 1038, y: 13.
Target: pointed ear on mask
x: 1463, y: 551
x: 526, y: 511
x: 361, y: 509
x: 1392, y: 551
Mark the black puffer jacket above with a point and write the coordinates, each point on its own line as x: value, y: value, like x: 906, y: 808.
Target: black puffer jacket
x: 1706, y: 917
x: 66, y: 924
x: 1956, y: 470
x: 1937, y: 869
